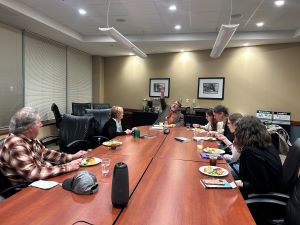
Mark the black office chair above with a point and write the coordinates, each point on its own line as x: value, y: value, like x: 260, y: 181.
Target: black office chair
x: 101, y: 106
x: 78, y: 109
x: 101, y: 116
x: 57, y: 114
x: 267, y: 208
x: 76, y: 133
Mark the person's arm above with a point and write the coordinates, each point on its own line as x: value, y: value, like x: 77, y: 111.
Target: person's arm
x: 28, y: 167
x: 112, y: 130
x: 162, y: 98
x: 180, y: 123
x: 205, y: 127
x: 220, y: 127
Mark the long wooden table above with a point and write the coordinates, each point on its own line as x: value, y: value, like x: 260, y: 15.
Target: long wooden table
x: 164, y: 189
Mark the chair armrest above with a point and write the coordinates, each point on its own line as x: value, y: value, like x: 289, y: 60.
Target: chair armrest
x: 77, y: 142
x: 271, y: 195
x: 16, y: 187
x: 98, y: 140
x: 265, y: 200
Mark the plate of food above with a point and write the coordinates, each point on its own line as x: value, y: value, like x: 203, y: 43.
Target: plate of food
x: 213, y: 150
x: 90, y: 161
x: 205, y: 138
x: 214, y: 171
x: 112, y: 143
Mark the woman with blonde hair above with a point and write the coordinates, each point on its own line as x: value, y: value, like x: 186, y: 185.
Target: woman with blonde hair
x: 113, y: 127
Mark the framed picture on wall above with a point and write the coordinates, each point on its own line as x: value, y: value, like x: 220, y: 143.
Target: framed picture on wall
x: 211, y: 87
x: 154, y: 85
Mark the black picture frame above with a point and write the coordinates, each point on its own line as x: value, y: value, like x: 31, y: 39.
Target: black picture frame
x: 154, y: 84
x: 211, y: 87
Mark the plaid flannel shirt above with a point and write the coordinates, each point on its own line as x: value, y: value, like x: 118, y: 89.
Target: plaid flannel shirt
x: 23, y: 159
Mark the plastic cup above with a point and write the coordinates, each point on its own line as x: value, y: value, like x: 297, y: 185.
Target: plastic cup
x: 213, y: 160
x: 105, y: 163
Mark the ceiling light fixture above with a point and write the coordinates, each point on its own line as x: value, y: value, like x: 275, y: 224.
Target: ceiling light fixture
x: 225, y: 34
x: 172, y: 7
x: 246, y: 44
x: 260, y: 24
x: 123, y: 41
x: 279, y: 3
x: 177, y: 27
x: 120, y: 38
x: 81, y: 11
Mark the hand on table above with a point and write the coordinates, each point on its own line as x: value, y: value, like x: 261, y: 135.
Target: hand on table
x: 239, y: 183
x: 128, y: 131
x: 79, y: 154
x: 75, y: 164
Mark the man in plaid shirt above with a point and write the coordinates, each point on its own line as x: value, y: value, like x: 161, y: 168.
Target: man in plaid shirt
x: 25, y: 158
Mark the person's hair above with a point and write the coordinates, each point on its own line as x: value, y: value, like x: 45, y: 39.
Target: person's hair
x: 235, y: 118
x: 115, y: 110
x: 178, y: 103
x: 213, y: 122
x: 23, y: 120
x: 250, y: 131
x: 221, y: 109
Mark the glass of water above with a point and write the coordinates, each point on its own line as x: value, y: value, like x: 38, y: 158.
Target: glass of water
x: 105, y: 163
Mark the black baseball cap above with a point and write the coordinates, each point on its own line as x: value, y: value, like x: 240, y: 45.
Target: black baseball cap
x: 83, y: 183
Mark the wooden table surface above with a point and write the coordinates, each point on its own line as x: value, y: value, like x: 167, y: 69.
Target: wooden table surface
x: 164, y: 186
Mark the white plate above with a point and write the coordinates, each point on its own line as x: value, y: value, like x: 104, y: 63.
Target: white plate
x: 96, y: 161
x: 211, y: 171
x: 213, y: 150
x: 110, y: 143
x: 205, y: 138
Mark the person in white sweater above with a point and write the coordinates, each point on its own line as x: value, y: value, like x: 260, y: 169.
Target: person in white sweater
x: 212, y: 124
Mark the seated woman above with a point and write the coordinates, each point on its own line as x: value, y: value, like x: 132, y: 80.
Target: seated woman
x: 213, y: 124
x: 113, y: 127
x: 260, y: 165
x: 232, y: 121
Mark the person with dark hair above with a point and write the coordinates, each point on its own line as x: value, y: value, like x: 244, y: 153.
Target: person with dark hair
x: 23, y: 158
x: 213, y: 124
x: 221, y: 115
x: 260, y: 165
x: 233, y: 119
x: 113, y: 127
x: 171, y: 114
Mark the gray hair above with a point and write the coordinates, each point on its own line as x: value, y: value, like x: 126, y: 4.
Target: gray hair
x: 23, y: 120
x: 115, y: 110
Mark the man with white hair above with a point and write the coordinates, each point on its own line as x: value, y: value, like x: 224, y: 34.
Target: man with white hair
x: 24, y: 158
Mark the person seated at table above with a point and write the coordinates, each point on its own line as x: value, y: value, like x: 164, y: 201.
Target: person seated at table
x: 213, y: 124
x: 221, y: 115
x: 171, y: 114
x: 260, y: 164
x: 23, y: 158
x: 113, y: 127
x: 232, y: 122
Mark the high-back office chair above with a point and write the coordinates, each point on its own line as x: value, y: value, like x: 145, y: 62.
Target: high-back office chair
x: 77, y: 133
x: 100, y: 115
x: 101, y: 106
x: 78, y: 109
x: 57, y: 114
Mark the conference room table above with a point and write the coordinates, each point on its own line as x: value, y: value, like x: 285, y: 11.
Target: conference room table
x: 164, y: 188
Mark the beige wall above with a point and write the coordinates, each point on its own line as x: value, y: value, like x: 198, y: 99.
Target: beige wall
x: 262, y: 77
x: 98, y: 79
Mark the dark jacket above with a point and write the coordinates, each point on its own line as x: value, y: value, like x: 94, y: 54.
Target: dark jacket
x: 260, y: 170
x: 110, y: 129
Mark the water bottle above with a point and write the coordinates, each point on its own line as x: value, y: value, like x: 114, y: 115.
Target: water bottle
x: 136, y: 133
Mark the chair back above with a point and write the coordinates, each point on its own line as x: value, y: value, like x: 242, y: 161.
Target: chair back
x: 57, y: 114
x: 101, y: 106
x: 73, y: 128
x: 291, y: 167
x: 101, y: 116
x: 78, y: 109
x: 292, y: 212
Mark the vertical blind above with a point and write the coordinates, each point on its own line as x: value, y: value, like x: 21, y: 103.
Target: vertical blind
x: 11, y: 85
x: 79, y: 77
x: 45, y: 75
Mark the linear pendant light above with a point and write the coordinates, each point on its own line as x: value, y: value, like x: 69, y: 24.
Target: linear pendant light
x: 225, y: 34
x: 123, y: 41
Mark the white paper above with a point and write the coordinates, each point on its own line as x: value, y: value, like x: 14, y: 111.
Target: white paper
x: 43, y: 184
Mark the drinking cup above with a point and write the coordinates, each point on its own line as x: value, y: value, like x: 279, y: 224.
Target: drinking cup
x: 105, y: 163
x: 213, y: 160
x: 188, y: 125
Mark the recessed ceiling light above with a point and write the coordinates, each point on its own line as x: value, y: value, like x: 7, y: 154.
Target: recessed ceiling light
x: 130, y: 53
x: 177, y: 27
x: 81, y: 11
x: 260, y: 24
x: 246, y: 44
x: 181, y: 50
x: 172, y: 7
x: 279, y: 3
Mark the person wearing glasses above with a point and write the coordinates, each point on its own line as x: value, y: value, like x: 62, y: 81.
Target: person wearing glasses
x: 170, y: 113
x: 23, y: 158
